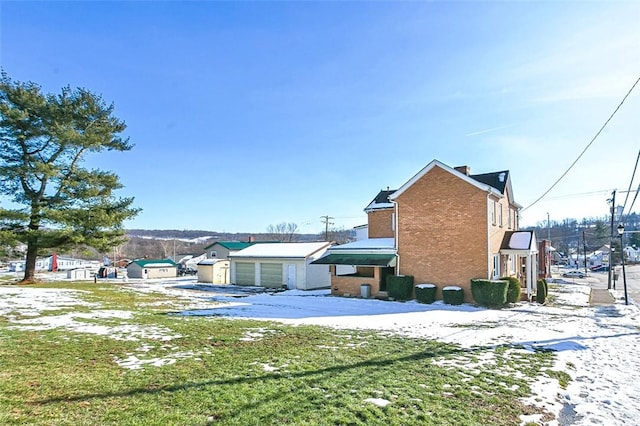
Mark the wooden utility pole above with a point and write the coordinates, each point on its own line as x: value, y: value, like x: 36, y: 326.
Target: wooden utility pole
x: 613, y: 211
x: 326, y: 220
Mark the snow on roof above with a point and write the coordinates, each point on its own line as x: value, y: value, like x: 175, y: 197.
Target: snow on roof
x: 295, y: 250
x: 211, y: 261
x: 367, y: 244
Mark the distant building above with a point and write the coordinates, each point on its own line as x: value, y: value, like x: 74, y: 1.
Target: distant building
x: 152, y: 268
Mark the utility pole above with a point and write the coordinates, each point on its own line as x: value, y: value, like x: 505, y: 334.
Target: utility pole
x: 326, y: 219
x: 548, y: 253
x: 613, y: 210
x: 584, y: 245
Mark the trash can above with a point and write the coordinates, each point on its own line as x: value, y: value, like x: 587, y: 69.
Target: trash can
x: 365, y: 291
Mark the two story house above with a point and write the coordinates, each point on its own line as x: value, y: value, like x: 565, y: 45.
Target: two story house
x: 444, y: 226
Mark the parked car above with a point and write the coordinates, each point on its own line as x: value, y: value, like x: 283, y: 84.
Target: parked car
x: 574, y: 274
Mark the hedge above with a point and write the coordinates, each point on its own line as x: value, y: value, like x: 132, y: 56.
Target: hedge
x: 541, y: 291
x: 513, y: 294
x: 426, y: 293
x: 400, y: 287
x: 489, y: 292
x: 452, y: 295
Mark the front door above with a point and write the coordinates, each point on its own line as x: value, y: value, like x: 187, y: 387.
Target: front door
x: 291, y: 276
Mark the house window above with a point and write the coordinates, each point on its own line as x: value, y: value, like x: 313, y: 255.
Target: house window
x: 213, y: 254
x: 500, y: 216
x: 393, y: 222
x: 509, y: 218
x: 495, y: 274
x: 493, y: 213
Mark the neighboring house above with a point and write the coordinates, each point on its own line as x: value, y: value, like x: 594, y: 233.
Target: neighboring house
x: 362, y: 232
x: 214, y: 271
x: 63, y: 263
x: 152, y: 268
x: 632, y: 254
x: 224, y: 249
x: 281, y: 265
x: 447, y: 227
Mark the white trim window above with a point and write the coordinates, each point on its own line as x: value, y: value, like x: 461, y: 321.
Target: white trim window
x: 495, y: 274
x: 493, y: 212
x: 500, y: 216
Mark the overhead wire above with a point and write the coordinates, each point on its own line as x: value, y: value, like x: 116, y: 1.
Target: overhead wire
x: 633, y: 175
x: 586, y: 147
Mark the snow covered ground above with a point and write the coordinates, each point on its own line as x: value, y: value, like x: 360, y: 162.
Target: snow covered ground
x: 597, y: 346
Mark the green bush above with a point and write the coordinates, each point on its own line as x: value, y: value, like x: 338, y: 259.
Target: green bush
x: 426, y: 293
x: 513, y: 294
x: 452, y: 295
x: 489, y: 292
x: 541, y: 291
x: 400, y: 287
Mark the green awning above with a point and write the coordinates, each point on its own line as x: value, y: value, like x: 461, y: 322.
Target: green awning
x: 357, y: 259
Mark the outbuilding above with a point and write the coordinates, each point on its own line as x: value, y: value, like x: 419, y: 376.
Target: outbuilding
x: 281, y: 265
x: 214, y: 271
x: 152, y: 268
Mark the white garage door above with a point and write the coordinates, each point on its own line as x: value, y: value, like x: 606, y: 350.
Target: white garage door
x: 271, y: 274
x: 245, y: 273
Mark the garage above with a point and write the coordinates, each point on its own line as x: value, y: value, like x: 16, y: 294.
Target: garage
x: 281, y: 265
x: 245, y: 273
x: 271, y: 274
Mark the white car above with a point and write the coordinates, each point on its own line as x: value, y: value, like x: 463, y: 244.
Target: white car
x: 574, y: 274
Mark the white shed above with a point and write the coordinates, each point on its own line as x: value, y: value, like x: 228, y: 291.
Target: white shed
x: 215, y: 271
x: 281, y: 265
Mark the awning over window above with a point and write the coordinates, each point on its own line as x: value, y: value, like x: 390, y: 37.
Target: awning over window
x: 357, y: 259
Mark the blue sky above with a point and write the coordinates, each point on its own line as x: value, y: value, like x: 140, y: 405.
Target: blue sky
x: 245, y: 114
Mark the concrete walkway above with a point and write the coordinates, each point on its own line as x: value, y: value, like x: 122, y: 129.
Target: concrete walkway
x: 600, y: 297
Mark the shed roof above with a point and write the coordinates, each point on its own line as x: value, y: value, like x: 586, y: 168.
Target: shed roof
x: 357, y: 259
x: 155, y: 263
x: 281, y: 250
x: 519, y: 242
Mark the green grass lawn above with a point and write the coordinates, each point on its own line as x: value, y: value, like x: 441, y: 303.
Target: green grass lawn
x: 220, y: 371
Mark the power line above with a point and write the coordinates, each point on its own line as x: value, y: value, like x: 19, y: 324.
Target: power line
x: 633, y: 175
x: 586, y: 147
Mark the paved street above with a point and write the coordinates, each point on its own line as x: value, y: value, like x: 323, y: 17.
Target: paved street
x: 599, y: 280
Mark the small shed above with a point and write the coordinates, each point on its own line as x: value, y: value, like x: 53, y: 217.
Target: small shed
x: 80, y: 274
x: 152, y: 268
x: 281, y: 265
x: 214, y: 271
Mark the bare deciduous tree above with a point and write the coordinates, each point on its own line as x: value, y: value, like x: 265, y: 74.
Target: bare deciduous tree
x: 284, y: 232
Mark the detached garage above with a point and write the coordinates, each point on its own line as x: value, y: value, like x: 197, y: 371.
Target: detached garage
x: 281, y: 265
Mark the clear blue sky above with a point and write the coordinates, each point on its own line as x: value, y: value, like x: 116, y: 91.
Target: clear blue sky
x: 245, y: 114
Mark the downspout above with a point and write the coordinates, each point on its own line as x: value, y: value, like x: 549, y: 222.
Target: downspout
x: 395, y: 240
x: 489, y: 257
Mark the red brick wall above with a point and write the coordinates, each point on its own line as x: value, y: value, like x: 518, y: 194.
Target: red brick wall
x: 380, y: 223
x: 342, y: 285
x: 443, y: 231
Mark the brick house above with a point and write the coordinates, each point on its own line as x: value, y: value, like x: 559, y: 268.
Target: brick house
x: 447, y: 226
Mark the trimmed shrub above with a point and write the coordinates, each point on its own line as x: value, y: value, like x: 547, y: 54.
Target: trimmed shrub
x: 513, y: 294
x: 452, y: 295
x: 400, y: 287
x: 426, y: 293
x: 541, y: 291
x: 489, y: 292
